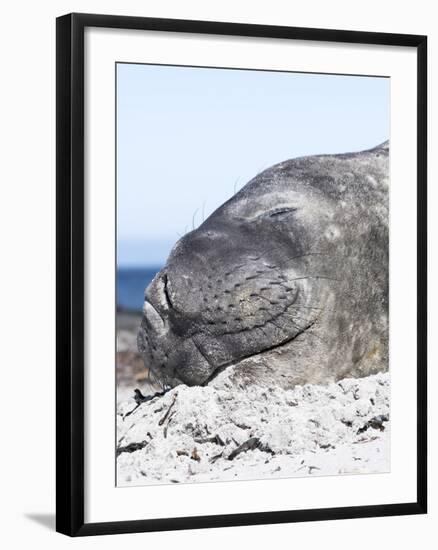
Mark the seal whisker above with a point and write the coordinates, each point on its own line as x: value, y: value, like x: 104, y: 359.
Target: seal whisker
x: 311, y: 333
x: 235, y: 184
x: 292, y: 319
x: 193, y: 218
x: 228, y: 273
x: 272, y: 322
x: 268, y: 251
x: 314, y: 277
x: 304, y: 255
x: 295, y: 306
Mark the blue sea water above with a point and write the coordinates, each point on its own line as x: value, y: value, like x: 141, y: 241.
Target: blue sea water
x: 131, y: 283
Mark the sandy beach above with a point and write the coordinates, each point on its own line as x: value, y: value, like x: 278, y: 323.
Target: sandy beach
x: 223, y: 432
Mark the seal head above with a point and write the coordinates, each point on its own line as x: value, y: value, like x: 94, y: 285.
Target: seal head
x: 287, y: 281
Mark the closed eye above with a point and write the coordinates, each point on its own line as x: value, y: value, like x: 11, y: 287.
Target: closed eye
x: 281, y: 213
x: 275, y: 214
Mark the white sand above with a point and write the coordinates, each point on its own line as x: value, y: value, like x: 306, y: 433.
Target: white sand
x: 310, y: 430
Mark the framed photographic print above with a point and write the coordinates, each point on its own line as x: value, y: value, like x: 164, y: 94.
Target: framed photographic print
x: 241, y: 274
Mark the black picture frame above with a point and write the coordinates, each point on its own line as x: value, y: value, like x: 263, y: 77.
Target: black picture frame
x: 70, y: 273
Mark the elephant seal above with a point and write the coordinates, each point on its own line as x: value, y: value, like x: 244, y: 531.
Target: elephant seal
x: 287, y: 281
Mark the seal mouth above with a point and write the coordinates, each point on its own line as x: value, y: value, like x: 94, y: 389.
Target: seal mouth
x: 259, y: 353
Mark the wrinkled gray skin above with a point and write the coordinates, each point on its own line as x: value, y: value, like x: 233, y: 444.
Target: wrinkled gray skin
x: 287, y: 281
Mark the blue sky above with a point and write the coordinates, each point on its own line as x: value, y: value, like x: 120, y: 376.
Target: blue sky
x: 188, y: 137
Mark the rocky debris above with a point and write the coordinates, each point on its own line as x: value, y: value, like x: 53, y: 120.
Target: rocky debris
x: 377, y: 423
x: 131, y: 448
x: 249, y: 445
x: 227, y: 432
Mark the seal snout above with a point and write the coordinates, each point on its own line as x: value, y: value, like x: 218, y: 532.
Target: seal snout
x: 153, y: 320
x: 200, y: 316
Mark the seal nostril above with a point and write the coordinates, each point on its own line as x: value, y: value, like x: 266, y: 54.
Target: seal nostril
x: 166, y: 291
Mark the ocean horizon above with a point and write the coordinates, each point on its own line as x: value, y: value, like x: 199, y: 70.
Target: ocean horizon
x: 131, y: 284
